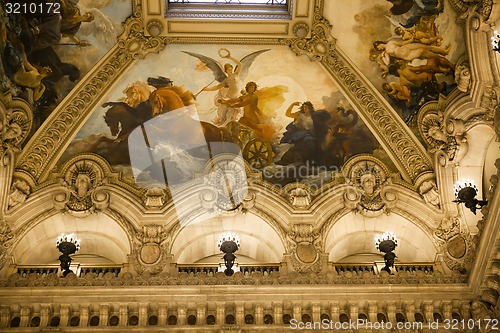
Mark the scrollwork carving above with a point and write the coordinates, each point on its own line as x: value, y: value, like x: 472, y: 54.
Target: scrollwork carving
x: 155, y: 197
x: 6, y: 236
x: 81, y: 193
x: 429, y: 192
x: 299, y: 197
x: 305, y: 246
x: 449, y: 138
x: 19, y: 192
x: 319, y: 44
x: 366, y: 192
x: 150, y: 249
x: 16, y: 120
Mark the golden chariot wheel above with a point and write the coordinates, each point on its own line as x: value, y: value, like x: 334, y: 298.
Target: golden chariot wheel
x: 258, y: 153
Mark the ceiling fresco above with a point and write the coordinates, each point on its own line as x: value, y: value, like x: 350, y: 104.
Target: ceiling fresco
x: 48, y: 48
x: 408, y: 49
x: 282, y: 116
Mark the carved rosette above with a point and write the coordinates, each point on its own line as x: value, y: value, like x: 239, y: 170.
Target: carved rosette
x: 305, y: 248
x: 150, y: 249
x: 81, y: 193
x: 460, y: 252
x: 367, y: 192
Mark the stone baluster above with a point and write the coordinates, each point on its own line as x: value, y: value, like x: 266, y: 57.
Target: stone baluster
x: 297, y: 312
x: 103, y: 314
x: 25, y: 315
x: 240, y: 313
x: 4, y: 316
x: 391, y: 312
x: 84, y: 315
x: 259, y: 314
x: 278, y: 313
x: 446, y: 308
x: 372, y: 311
x: 334, y: 312
x: 64, y: 314
x: 201, y: 313
x: 143, y: 314
x: 45, y: 311
x: 409, y: 308
x: 181, y: 315
x: 221, y: 313
x: 428, y: 311
x: 353, y: 311
x: 123, y: 315
x: 162, y: 314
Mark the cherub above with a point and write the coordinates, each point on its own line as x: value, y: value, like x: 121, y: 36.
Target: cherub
x: 229, y: 78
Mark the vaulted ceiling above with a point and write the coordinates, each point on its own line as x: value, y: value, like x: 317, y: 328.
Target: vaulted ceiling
x: 432, y: 128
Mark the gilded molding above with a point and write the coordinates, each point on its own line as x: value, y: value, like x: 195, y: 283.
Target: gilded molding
x: 483, y: 7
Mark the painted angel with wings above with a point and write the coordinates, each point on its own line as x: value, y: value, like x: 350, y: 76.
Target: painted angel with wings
x: 229, y: 78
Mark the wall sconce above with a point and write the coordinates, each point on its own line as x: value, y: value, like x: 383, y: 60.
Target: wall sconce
x: 465, y: 192
x: 229, y: 243
x: 67, y: 244
x: 495, y: 41
x: 387, y: 243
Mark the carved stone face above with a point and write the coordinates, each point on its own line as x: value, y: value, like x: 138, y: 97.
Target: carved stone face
x: 368, y: 183
x: 82, y: 184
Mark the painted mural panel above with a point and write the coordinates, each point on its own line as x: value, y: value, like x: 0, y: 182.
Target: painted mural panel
x: 407, y: 48
x: 47, y: 47
x: 281, y: 112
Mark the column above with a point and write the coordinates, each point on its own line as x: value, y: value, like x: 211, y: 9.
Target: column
x: 123, y: 315
x: 240, y: 313
x: 143, y: 314
x: 353, y: 312
x: 24, y: 316
x: 372, y: 311
x: 446, y: 307
x: 103, y: 314
x: 316, y: 312
x: 162, y: 314
x: 334, y: 312
x: 428, y: 311
x: 409, y: 312
x: 259, y: 314
x: 465, y: 309
x: 45, y: 314
x: 278, y: 313
x: 391, y: 312
x: 84, y: 315
x: 297, y: 312
x: 64, y: 315
x: 201, y: 313
x: 181, y: 315
x: 4, y: 316
x: 221, y: 313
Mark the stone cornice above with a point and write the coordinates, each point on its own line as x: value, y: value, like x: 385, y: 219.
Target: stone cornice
x: 415, y: 283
